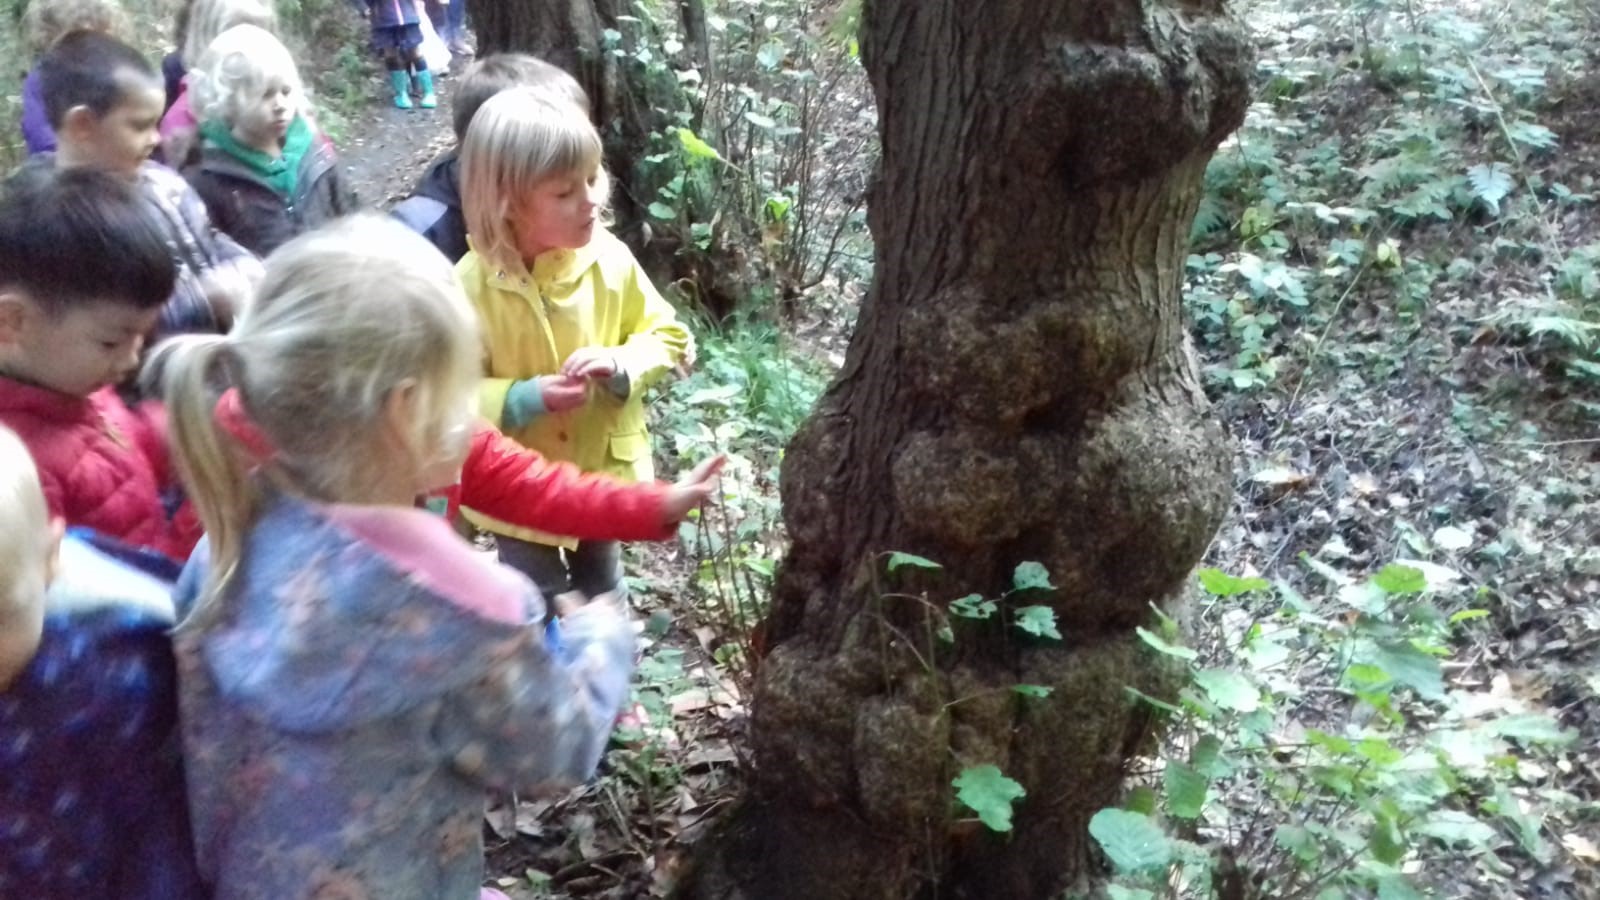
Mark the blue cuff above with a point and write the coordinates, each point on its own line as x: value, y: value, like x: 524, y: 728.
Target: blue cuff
x: 524, y: 402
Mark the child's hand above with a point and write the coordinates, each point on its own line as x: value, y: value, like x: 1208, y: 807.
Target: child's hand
x: 591, y: 362
x: 562, y: 392
x: 692, y: 489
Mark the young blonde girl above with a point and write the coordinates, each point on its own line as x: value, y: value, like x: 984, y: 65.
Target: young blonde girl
x: 262, y: 172
x: 46, y: 22
x: 206, y: 20
x: 574, y: 330
x: 353, y: 676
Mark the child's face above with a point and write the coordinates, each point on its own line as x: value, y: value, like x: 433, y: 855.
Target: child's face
x: 263, y: 120
x: 76, y: 352
x: 559, y: 214
x: 122, y: 139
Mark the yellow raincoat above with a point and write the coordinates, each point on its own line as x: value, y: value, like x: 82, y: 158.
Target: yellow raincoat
x: 593, y: 296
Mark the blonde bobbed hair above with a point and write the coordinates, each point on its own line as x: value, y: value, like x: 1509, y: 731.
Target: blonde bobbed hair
x: 518, y: 138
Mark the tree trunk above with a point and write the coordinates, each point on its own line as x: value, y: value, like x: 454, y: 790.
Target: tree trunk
x: 1019, y: 387
x: 568, y: 33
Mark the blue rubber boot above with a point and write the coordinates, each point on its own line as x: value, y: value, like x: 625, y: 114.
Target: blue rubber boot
x: 402, y: 88
x: 425, y: 87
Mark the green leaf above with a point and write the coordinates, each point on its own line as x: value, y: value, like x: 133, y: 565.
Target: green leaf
x: 1467, y: 615
x: 1132, y: 842
x: 1454, y: 827
x: 1031, y: 576
x: 1141, y: 800
x: 1157, y: 703
x: 1221, y: 584
x: 1162, y: 646
x: 695, y: 147
x: 1491, y: 183
x: 1406, y: 665
x: 662, y: 211
x: 760, y: 121
x: 1185, y: 789
x: 1118, y: 892
x: 1039, y: 621
x: 946, y: 634
x: 1032, y: 690
x: 1533, y: 728
x: 898, y: 559
x: 1388, y: 844
x: 990, y: 794
x: 973, y: 606
x: 1206, y: 757
x: 1397, y: 579
x: 1229, y: 690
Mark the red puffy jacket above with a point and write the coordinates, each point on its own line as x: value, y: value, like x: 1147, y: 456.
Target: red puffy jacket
x: 102, y: 465
x: 505, y: 480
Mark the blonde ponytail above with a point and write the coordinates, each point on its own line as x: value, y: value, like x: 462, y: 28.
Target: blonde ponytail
x: 194, y: 370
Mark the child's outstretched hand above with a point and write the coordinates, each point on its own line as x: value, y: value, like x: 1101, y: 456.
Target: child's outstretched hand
x: 562, y: 392
x: 692, y: 489
x: 591, y: 362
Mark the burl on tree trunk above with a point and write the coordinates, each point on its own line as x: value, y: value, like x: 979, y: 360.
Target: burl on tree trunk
x: 1019, y: 387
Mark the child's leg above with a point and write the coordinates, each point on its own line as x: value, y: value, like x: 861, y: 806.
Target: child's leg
x: 540, y: 562
x: 424, y: 79
x: 398, y: 78
x: 596, y: 568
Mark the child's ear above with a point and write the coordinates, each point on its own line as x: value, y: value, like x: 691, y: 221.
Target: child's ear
x: 58, y: 531
x: 15, y: 310
x: 79, y: 123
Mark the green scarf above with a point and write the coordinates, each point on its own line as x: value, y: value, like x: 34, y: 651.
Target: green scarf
x: 279, y: 172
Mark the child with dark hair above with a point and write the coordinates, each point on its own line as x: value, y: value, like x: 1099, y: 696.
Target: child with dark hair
x: 397, y: 35
x: 84, y: 272
x: 44, y: 22
x: 104, y: 101
x: 92, y: 805
x: 434, y: 208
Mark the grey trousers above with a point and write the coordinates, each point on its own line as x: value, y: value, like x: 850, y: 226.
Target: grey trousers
x: 595, y: 567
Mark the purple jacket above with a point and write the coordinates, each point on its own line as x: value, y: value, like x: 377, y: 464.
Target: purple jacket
x: 36, y: 130
x: 363, y: 680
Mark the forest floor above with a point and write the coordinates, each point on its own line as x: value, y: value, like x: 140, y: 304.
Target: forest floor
x: 1425, y: 395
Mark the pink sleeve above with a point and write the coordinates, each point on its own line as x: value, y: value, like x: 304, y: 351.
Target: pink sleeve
x: 180, y: 117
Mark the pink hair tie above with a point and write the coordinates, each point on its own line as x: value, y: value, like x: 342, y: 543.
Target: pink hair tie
x: 236, y: 423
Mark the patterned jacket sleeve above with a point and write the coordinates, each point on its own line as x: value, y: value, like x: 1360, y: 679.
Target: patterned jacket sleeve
x: 509, y: 482
x: 541, y: 715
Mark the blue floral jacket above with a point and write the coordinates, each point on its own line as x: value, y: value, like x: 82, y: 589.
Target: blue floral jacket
x: 92, y: 796
x: 361, y: 681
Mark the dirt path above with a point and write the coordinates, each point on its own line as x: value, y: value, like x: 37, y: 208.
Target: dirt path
x: 387, y: 148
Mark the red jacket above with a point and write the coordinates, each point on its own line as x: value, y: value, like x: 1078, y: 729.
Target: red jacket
x: 509, y: 482
x: 103, y: 466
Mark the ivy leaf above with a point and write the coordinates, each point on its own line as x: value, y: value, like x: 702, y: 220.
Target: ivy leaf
x: 662, y: 211
x: 1185, y: 789
x: 1404, y: 663
x: 1162, y: 646
x: 1397, y: 579
x: 1131, y: 841
x: 1221, y: 584
x: 1229, y: 690
x: 898, y: 559
x: 1533, y: 728
x: 1031, y: 576
x: 989, y: 793
x: 1039, y: 621
x: 1453, y: 827
x: 973, y: 606
x: 1032, y: 690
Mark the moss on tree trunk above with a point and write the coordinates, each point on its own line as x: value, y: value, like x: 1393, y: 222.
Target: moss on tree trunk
x: 1019, y: 387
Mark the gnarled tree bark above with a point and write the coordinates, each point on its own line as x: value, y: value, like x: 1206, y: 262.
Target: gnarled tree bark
x: 1020, y: 386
